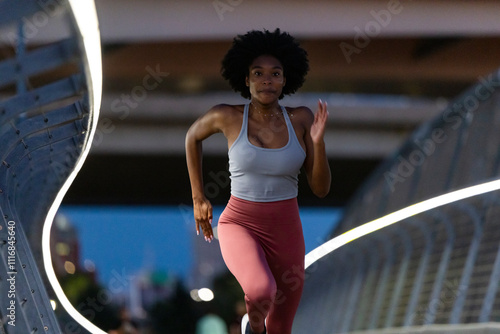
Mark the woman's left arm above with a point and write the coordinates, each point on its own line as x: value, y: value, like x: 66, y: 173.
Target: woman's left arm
x: 316, y: 163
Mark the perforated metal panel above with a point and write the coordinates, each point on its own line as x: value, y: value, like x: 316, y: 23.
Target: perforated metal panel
x: 438, y: 268
x: 44, y: 125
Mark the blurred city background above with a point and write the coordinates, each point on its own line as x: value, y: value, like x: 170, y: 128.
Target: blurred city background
x: 124, y: 240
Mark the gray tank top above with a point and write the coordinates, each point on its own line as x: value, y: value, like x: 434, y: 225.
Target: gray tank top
x: 263, y: 174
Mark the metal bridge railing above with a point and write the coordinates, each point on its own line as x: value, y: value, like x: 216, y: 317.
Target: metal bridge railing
x: 47, y: 113
x: 436, y: 271
x: 441, y: 267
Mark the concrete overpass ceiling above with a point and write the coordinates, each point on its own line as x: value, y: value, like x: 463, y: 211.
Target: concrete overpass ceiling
x: 384, y: 66
x: 162, y: 20
x: 414, y: 66
x: 428, y: 51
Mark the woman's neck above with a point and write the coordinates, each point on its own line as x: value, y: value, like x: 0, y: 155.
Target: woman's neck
x: 270, y: 110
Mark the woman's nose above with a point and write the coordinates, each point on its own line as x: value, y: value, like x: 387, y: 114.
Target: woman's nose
x: 266, y: 79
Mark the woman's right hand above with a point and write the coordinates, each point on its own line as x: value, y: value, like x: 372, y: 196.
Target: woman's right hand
x: 202, y: 209
x: 214, y: 121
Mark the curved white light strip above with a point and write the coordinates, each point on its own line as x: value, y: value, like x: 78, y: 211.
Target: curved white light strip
x: 397, y: 216
x: 85, y: 16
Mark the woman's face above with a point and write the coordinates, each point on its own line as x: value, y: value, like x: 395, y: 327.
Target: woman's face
x: 266, y: 79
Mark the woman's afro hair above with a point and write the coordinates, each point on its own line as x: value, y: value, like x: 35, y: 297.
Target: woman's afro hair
x: 282, y: 46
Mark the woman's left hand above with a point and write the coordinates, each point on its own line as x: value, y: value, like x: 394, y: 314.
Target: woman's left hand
x: 319, y: 124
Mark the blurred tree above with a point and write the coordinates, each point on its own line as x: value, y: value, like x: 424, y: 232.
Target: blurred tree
x: 228, y: 294
x: 178, y: 314
x: 93, y: 301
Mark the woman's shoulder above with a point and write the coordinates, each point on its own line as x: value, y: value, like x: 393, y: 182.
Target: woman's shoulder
x: 224, y: 116
x: 227, y: 110
x: 301, y: 113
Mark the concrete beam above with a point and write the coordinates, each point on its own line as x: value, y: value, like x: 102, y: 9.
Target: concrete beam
x: 223, y: 19
x: 130, y: 21
x: 359, y: 126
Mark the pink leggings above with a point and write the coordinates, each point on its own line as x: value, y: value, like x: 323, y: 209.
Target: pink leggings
x: 263, y: 246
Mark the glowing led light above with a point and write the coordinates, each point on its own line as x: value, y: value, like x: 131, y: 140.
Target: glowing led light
x: 206, y: 294
x: 85, y: 15
x: 53, y: 304
x: 398, y: 216
x: 86, y: 18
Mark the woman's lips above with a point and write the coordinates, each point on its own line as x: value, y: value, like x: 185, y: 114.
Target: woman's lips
x: 268, y: 91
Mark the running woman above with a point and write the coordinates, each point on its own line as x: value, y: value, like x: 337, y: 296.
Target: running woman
x: 260, y: 231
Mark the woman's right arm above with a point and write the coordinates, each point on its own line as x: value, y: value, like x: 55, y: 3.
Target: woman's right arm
x: 205, y: 126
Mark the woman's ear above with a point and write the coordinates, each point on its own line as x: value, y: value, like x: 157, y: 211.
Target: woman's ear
x: 246, y: 82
